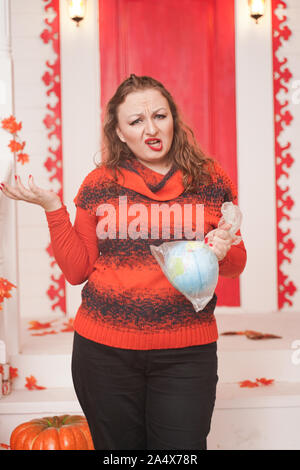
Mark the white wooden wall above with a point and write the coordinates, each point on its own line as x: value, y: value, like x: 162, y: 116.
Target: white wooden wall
x: 29, y: 57
x: 81, y: 139
x: 291, y: 51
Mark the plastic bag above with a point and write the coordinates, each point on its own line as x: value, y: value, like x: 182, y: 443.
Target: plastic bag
x: 191, y: 266
x: 231, y: 214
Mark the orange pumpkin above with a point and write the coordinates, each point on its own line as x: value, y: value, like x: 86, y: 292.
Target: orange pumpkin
x: 67, y: 432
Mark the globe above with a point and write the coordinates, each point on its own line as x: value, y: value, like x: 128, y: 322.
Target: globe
x: 193, y: 269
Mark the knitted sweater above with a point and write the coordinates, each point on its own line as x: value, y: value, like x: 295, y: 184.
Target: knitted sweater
x: 127, y: 301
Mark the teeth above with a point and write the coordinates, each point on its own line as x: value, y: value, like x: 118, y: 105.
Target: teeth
x: 153, y: 141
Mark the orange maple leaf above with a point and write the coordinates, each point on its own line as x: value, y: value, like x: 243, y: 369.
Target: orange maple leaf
x: 257, y: 383
x: 36, y: 325
x: 22, y: 158
x: 16, y: 146
x: 31, y: 383
x: 264, y: 381
x: 69, y: 325
x: 248, y: 383
x: 10, y: 125
x: 5, y: 287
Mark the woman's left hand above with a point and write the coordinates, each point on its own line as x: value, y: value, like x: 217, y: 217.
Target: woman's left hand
x: 220, y: 241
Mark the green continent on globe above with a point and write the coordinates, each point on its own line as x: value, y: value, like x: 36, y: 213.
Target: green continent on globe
x: 177, y: 268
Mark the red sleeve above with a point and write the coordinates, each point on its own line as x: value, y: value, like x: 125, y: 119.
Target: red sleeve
x: 74, y: 247
x: 235, y: 261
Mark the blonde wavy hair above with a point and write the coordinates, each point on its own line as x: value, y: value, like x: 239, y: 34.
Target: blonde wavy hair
x: 184, y: 152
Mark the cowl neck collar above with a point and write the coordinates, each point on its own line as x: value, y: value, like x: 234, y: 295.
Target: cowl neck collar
x: 150, y: 183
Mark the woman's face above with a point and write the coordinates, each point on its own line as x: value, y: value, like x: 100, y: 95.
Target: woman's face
x: 145, y: 123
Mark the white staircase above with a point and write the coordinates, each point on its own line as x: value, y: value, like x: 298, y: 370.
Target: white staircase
x: 265, y: 417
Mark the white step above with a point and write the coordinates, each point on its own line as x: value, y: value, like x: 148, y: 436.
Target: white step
x: 264, y: 418
x: 256, y: 418
x: 241, y: 358
x: 48, y: 358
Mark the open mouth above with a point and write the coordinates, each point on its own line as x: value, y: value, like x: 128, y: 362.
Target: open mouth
x: 154, y: 144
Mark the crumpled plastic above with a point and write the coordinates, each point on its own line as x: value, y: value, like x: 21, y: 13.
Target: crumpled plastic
x: 231, y: 214
x: 191, y: 266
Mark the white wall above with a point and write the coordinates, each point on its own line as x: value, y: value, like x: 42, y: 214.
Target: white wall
x: 80, y: 72
x: 81, y: 140
x: 80, y: 134
x: 255, y: 150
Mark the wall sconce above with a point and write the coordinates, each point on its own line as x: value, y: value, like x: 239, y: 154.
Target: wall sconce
x: 77, y: 10
x: 257, y: 9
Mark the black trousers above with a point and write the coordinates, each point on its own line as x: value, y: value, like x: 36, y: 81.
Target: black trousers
x: 154, y: 399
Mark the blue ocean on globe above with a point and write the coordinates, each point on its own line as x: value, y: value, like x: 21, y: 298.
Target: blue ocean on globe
x: 192, y: 268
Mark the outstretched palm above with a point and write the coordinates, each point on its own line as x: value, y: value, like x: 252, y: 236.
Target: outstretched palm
x: 47, y: 199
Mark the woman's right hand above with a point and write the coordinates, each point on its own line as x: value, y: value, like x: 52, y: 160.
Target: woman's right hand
x: 47, y: 199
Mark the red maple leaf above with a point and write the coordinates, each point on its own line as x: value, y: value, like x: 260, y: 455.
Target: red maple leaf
x: 31, y: 383
x: 13, y: 372
x: 248, y: 383
x: 264, y: 381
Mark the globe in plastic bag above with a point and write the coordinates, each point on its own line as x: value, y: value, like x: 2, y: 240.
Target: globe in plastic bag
x: 191, y: 266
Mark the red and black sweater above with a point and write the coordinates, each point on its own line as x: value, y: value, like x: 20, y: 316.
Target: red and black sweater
x: 127, y: 302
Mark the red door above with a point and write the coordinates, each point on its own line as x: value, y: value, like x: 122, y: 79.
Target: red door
x: 188, y: 45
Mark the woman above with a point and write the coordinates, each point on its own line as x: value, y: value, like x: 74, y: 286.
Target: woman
x: 144, y: 362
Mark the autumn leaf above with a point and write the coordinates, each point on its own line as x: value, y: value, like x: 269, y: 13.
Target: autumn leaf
x: 248, y: 383
x: 5, y: 288
x: 69, y: 325
x: 257, y: 383
x: 264, y: 381
x: 31, y: 383
x: 258, y: 335
x: 10, y: 125
x: 250, y: 334
x: 13, y: 372
x: 44, y: 333
x: 22, y: 158
x: 231, y: 333
x: 16, y: 146
x: 36, y: 325
x: 4, y: 446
